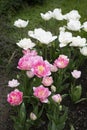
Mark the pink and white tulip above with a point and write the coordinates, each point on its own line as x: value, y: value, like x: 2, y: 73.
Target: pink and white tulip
x: 62, y: 61
x: 76, y: 74
x: 30, y: 52
x: 57, y: 98
x: 53, y: 68
x: 13, y: 83
x: 41, y: 68
x: 47, y: 81
x: 26, y: 62
x: 15, y: 97
x: 42, y: 93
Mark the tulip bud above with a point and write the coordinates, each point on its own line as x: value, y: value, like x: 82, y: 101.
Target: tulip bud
x: 18, y: 76
x: 60, y: 107
x: 57, y: 98
x: 33, y: 116
x: 53, y: 88
x: 30, y: 74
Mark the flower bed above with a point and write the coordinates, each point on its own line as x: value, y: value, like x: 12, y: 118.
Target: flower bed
x: 49, y: 72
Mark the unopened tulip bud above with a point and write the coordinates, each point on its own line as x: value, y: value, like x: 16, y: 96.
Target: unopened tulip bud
x: 33, y: 116
x: 53, y: 88
x: 54, y: 68
x: 60, y: 107
x: 18, y: 76
x: 30, y: 74
x: 57, y: 98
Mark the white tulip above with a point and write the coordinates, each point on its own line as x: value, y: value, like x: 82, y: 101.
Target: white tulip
x: 13, y: 83
x: 21, y: 23
x: 26, y: 43
x: 41, y: 35
x: 83, y: 51
x: 84, y: 26
x: 57, y: 14
x: 74, y: 25
x: 65, y: 38
x: 72, y: 15
x: 78, y: 42
x: 47, y: 16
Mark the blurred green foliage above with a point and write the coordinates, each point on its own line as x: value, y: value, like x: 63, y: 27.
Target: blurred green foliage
x: 7, y: 6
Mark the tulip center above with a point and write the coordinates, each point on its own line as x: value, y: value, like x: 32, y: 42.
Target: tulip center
x: 40, y: 69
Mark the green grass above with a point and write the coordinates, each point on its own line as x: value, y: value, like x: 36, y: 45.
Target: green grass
x: 32, y: 13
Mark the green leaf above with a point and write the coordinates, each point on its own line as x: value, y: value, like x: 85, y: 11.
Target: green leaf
x: 60, y: 126
x: 64, y: 116
x: 39, y: 114
x: 82, y: 99
x: 18, y: 126
x: 72, y: 128
x: 22, y: 114
x: 75, y: 93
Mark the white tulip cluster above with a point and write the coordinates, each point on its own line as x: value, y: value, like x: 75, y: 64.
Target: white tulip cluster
x: 65, y: 37
x: 73, y: 24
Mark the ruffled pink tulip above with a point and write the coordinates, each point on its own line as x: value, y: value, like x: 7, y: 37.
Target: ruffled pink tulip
x: 26, y: 62
x: 76, y: 74
x: 57, y: 98
x: 47, y: 81
x: 42, y: 93
x: 15, y: 97
x: 41, y: 68
x: 62, y: 61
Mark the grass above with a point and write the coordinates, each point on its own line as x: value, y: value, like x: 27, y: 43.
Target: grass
x: 32, y: 13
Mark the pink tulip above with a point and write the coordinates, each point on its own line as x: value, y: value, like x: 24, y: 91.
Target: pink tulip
x: 42, y: 93
x: 15, y: 97
x: 61, y: 62
x: 30, y: 52
x: 76, y: 74
x: 57, y: 98
x: 41, y: 68
x: 47, y: 81
x: 26, y: 62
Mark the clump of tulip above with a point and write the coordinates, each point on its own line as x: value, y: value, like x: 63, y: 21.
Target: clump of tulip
x: 48, y: 66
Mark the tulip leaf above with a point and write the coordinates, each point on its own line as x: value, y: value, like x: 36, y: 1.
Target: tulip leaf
x: 22, y: 114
